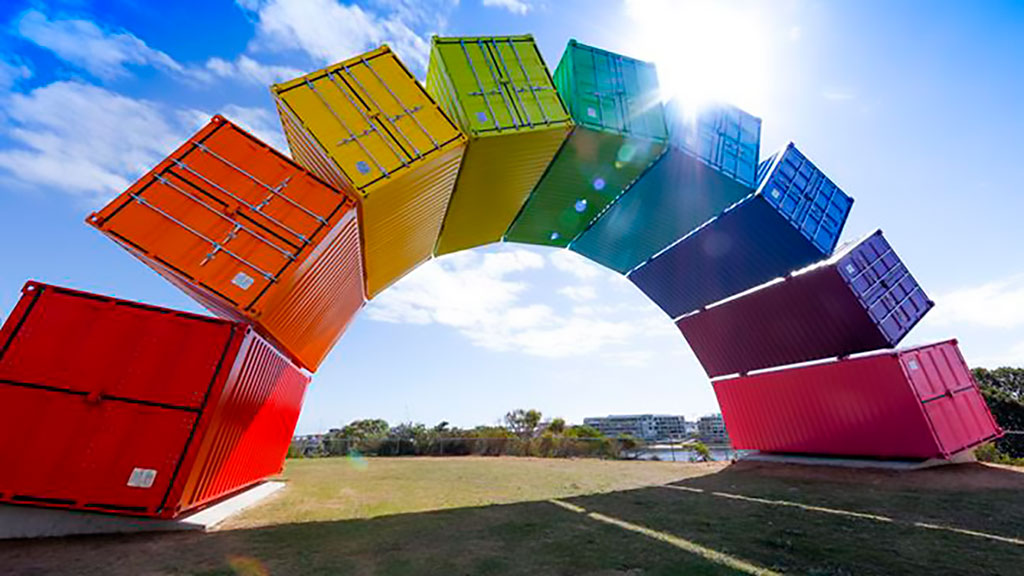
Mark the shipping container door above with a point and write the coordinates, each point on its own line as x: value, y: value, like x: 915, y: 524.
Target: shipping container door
x: 104, y: 346
x: 469, y: 68
x: 597, y: 90
x: 884, y: 286
x: 406, y: 112
x: 640, y: 99
x: 529, y: 87
x: 960, y: 421
x: 345, y: 127
x: 69, y: 450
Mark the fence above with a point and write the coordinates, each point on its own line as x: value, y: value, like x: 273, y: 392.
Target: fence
x: 544, y: 446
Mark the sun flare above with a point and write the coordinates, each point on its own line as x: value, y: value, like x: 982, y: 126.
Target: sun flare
x: 705, y: 51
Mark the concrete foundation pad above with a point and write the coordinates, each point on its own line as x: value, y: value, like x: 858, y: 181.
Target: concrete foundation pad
x: 30, y: 522
x: 838, y: 462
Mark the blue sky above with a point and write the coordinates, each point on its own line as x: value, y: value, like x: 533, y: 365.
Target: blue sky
x: 914, y: 108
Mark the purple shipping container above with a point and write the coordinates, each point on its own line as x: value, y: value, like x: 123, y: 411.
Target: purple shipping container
x: 861, y: 299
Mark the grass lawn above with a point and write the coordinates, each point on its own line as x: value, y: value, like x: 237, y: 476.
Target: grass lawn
x: 468, y: 515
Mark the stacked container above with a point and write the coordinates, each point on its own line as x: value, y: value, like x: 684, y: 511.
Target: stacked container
x: 115, y: 406
x: 620, y: 130
x: 250, y: 235
x: 500, y: 93
x: 916, y: 403
x: 793, y: 219
x: 861, y: 299
x: 710, y: 164
x: 369, y: 128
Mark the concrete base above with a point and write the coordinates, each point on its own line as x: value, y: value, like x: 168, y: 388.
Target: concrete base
x: 897, y: 465
x: 29, y: 522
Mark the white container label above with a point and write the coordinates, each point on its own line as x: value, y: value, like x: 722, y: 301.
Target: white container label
x: 851, y: 269
x: 775, y: 193
x: 142, y: 478
x: 591, y: 112
x: 912, y: 364
x: 242, y: 280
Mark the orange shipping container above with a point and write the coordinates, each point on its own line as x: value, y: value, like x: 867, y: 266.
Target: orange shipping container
x: 367, y: 126
x: 250, y: 235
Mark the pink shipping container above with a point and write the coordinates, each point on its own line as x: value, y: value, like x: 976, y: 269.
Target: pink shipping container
x: 913, y: 403
x: 862, y: 299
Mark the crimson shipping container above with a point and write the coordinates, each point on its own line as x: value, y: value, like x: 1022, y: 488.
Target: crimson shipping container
x: 113, y: 406
x: 914, y: 403
x: 861, y: 299
x: 250, y: 235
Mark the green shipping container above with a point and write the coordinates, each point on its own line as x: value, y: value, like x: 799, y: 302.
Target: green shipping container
x: 500, y: 92
x: 620, y: 130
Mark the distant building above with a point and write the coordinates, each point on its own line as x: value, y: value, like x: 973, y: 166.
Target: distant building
x: 711, y: 429
x: 309, y: 444
x: 648, y: 427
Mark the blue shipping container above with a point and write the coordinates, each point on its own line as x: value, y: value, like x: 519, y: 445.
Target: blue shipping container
x: 710, y: 164
x: 861, y: 299
x: 793, y: 219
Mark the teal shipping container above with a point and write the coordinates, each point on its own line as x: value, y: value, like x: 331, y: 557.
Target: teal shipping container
x: 620, y: 130
x: 710, y: 164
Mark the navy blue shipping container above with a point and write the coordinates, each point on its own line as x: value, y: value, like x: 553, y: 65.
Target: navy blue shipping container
x: 861, y: 299
x: 710, y: 164
x: 793, y: 220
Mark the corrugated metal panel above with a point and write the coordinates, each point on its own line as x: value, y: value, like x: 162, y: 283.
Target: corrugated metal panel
x: 246, y: 428
x: 864, y: 406
x: 884, y: 286
x: 239, y: 225
x: 123, y: 448
x: 73, y: 341
x: 793, y: 220
x: 690, y: 184
x: 720, y: 135
x: 610, y: 92
x: 67, y: 450
x: 620, y: 130
x: 367, y: 125
x: 325, y: 297
x: 500, y: 92
x: 861, y: 299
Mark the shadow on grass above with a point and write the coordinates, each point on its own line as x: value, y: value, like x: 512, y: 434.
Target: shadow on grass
x: 543, y: 538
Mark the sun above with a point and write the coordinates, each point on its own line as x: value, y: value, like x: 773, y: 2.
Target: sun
x: 705, y: 51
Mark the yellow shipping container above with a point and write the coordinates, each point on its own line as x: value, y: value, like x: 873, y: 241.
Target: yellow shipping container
x: 368, y: 127
x: 501, y: 94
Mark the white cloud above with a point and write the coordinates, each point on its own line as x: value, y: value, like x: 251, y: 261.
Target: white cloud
x: 83, y: 140
x: 481, y: 297
x: 104, y: 54
x: 573, y: 263
x: 11, y: 73
x: 262, y: 122
x: 521, y: 7
x: 578, y: 293
x: 108, y: 55
x: 997, y: 304
x: 330, y: 31
x: 246, y: 69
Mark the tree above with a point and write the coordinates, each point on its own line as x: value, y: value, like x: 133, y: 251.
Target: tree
x: 1003, y: 390
x: 523, y: 423
x: 701, y: 452
x: 583, y: 431
x: 365, y: 429
x: 556, y: 426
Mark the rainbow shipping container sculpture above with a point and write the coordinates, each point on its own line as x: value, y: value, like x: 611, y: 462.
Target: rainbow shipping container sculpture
x: 387, y: 173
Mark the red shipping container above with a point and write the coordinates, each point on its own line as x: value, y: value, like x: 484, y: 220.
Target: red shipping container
x: 914, y: 403
x: 115, y: 406
x: 250, y: 235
